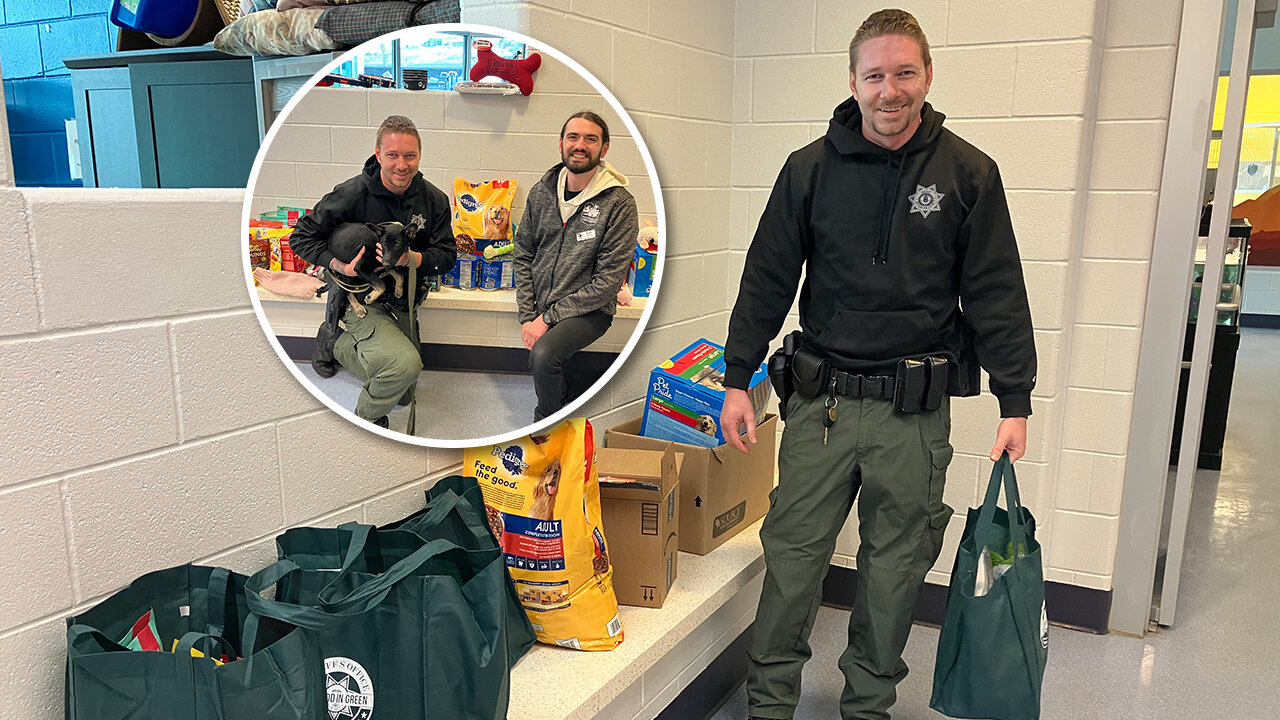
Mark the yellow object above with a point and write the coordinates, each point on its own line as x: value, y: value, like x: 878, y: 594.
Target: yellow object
x: 482, y: 211
x: 195, y: 653
x: 543, y: 503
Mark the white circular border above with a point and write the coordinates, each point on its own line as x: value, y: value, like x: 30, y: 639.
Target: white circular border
x: 626, y: 350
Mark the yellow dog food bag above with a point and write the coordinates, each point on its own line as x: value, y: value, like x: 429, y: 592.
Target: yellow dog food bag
x: 543, y: 503
x: 482, y: 213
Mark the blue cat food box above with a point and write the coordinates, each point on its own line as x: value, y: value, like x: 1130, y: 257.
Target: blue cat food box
x: 640, y: 275
x: 687, y: 392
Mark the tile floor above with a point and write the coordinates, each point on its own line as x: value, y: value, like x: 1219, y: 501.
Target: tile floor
x: 1221, y: 660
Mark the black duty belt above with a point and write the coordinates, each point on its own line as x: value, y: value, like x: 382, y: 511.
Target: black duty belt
x: 857, y: 386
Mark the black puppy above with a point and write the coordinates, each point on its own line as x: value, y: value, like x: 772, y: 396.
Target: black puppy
x: 345, y: 243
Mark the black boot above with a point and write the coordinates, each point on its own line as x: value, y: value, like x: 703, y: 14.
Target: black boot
x: 322, y: 360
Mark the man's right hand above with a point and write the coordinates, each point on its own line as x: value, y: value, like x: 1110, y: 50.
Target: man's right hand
x: 736, y: 413
x: 348, y: 269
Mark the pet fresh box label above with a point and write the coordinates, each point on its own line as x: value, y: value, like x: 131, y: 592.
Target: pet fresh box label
x: 686, y: 394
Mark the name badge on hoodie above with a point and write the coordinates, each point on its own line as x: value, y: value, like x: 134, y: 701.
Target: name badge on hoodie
x: 586, y: 235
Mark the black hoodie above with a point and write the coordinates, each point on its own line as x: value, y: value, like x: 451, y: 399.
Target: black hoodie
x: 893, y: 243
x: 364, y: 198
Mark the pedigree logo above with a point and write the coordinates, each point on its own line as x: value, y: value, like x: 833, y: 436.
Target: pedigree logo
x: 512, y: 459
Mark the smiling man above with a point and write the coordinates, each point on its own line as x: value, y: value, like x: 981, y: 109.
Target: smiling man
x: 897, y: 224
x: 377, y: 348
x: 573, y: 247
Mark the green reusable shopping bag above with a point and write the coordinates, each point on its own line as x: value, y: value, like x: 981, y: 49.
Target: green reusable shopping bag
x: 279, y: 677
x: 993, y: 647
x: 456, y: 512
x: 409, y: 628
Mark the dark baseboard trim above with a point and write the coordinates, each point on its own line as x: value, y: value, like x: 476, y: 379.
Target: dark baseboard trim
x: 587, y: 365
x: 703, y: 697
x: 1072, y: 606
x: 1258, y: 320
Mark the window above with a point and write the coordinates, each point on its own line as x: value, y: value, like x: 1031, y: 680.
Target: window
x: 437, y: 62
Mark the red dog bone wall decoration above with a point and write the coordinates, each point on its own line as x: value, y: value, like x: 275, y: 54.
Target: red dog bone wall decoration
x: 519, y: 72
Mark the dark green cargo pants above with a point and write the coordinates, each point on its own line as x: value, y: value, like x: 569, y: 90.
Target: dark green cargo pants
x: 377, y: 349
x: 895, y: 465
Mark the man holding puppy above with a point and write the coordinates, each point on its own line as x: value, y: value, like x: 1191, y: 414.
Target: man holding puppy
x: 896, y: 222
x: 377, y: 347
x: 572, y: 250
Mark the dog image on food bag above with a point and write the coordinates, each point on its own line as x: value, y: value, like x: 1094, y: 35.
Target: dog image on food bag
x: 544, y: 494
x: 497, y: 222
x: 543, y: 500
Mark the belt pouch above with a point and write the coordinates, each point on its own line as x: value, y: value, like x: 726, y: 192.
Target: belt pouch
x: 811, y: 373
x: 909, y: 386
x: 936, y: 369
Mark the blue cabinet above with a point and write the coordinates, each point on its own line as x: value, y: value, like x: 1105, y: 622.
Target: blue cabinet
x: 171, y: 118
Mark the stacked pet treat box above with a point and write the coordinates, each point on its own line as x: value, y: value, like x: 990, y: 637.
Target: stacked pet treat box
x: 687, y: 392
x: 269, y: 245
x: 640, y: 275
x: 722, y: 491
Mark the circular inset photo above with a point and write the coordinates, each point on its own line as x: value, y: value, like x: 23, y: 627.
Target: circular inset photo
x: 454, y: 235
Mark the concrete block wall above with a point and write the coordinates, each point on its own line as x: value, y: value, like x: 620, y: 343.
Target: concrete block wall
x: 330, y: 133
x: 1261, y: 290
x: 671, y: 66
x: 148, y: 424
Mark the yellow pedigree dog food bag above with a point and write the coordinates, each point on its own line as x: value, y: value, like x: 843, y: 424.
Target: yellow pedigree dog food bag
x: 482, y: 213
x: 543, y: 503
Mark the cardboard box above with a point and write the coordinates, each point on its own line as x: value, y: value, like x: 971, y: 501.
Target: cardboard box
x: 641, y: 518
x: 686, y: 394
x: 722, y: 491
x: 640, y: 275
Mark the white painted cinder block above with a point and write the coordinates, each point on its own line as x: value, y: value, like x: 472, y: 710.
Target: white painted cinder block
x: 706, y: 85
x: 320, y: 473
x: 1137, y: 83
x: 487, y: 113
x: 589, y: 42
x: 1044, y: 223
x: 1127, y: 155
x: 295, y: 142
x: 332, y: 106
x: 347, y: 146
x: 228, y: 376
x: 679, y: 149
x: 158, y: 242
x: 719, y: 154
x: 33, y: 534
x: 397, y: 504
x: 698, y: 217
x: 32, y: 668
x: 113, y: 387
x: 759, y: 152
x: 1097, y: 421
x: 18, y: 284
x: 793, y: 89
x: 692, y: 24
x: 1111, y: 292
x: 683, y: 295
x: 655, y: 89
x: 838, y: 20
x: 762, y: 29
x: 1085, y: 543
x: 279, y: 178
x: 743, y: 79
x: 983, y: 21
x: 1075, y: 478
x: 425, y: 109
x: 205, y: 495
x: 1120, y: 225
x: 317, y: 180
x: 1046, y: 290
x: 1088, y: 357
x: 974, y: 81
x: 1142, y: 22
x: 1033, y: 154
x: 245, y: 559
x: 1052, y: 78
x: 1048, y: 362
x: 623, y: 13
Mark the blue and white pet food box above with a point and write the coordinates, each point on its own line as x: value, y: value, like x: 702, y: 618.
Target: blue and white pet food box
x: 686, y: 394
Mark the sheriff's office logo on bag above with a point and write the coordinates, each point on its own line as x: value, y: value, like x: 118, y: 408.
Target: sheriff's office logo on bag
x: 590, y: 213
x: 349, y: 689
x: 926, y: 200
x: 1044, y: 627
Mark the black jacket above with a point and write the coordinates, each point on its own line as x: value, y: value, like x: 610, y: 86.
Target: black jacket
x: 364, y: 198
x: 894, y: 243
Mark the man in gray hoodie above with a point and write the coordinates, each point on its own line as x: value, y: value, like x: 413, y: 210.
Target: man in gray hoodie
x: 573, y: 247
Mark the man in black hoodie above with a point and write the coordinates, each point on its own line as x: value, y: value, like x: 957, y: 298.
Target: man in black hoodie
x: 377, y: 348
x: 897, y: 223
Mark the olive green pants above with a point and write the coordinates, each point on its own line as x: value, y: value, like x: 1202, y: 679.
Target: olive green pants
x: 895, y: 465
x: 377, y: 349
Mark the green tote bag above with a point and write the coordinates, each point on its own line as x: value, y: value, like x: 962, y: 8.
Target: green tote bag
x: 409, y: 629
x: 456, y: 512
x: 993, y: 647
x: 279, y: 678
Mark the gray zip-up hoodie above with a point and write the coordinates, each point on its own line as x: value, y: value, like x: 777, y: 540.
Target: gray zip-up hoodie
x: 569, y: 267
